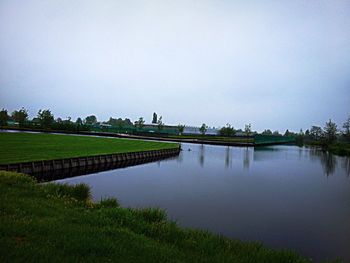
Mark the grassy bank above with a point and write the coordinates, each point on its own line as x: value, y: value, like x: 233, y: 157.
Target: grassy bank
x: 338, y: 148
x: 342, y: 149
x: 22, y: 147
x: 213, y: 138
x: 59, y: 223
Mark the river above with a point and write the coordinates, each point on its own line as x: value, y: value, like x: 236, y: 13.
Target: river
x: 285, y: 196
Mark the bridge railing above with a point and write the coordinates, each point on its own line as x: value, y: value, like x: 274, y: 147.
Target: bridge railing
x: 260, y: 139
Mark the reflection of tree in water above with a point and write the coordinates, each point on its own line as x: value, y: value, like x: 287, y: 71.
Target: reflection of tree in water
x: 201, y: 155
x: 327, y: 159
x: 179, y: 158
x: 246, y: 158
x: 227, y: 157
x: 346, y: 165
x: 300, y: 151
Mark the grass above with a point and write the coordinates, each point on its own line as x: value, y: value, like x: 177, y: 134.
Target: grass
x: 338, y: 148
x: 213, y: 138
x: 342, y: 149
x: 50, y: 222
x: 24, y: 147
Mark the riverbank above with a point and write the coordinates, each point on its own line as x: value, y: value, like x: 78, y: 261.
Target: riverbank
x: 240, y: 141
x: 338, y: 148
x: 53, y: 222
x: 30, y: 147
x: 197, y: 139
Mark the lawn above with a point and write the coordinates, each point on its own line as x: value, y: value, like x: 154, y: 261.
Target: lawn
x: 23, y: 147
x: 213, y: 138
x: 59, y: 223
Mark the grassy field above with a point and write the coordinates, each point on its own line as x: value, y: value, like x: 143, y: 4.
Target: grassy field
x: 59, y: 223
x: 22, y: 147
x: 212, y: 138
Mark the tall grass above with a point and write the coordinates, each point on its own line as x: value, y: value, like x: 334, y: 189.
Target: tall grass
x: 80, y: 192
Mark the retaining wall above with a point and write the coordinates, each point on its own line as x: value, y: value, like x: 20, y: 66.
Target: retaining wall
x: 76, y: 163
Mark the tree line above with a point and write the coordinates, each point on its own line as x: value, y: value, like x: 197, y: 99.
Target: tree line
x: 46, y: 120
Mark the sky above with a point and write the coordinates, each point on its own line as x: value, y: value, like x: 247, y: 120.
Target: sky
x: 274, y: 64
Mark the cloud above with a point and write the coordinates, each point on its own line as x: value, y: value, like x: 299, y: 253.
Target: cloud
x: 274, y: 64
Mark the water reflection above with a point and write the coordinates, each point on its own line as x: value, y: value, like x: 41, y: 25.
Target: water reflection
x: 179, y: 158
x: 59, y: 174
x: 228, y: 159
x: 266, y: 153
x: 247, y: 158
x: 328, y: 160
x: 346, y: 165
x: 201, y: 154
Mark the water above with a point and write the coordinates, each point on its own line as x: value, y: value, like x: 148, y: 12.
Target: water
x: 284, y: 196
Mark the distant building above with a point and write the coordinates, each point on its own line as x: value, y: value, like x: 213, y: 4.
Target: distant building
x: 195, y: 130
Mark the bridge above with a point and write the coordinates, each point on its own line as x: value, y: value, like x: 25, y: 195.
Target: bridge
x: 260, y: 140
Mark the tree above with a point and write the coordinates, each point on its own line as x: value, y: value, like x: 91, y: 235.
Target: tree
x: 154, y: 120
x: 267, y: 132
x: 203, y: 129
x: 307, y: 133
x: 316, y: 132
x: 330, y: 131
x: 127, y: 122
x: 299, y: 138
x: 20, y: 116
x: 140, y: 123
x: 79, y: 121
x: 276, y: 133
x: 287, y: 133
x: 227, y: 131
x: 120, y: 123
x: 160, y: 123
x: 248, y: 129
x: 3, y: 117
x: 36, y: 121
x: 346, y: 126
x: 58, y: 120
x: 181, y: 128
x: 46, y: 118
x: 91, y: 119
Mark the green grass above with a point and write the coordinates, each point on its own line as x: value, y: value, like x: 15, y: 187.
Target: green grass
x: 338, y: 148
x: 53, y: 223
x: 24, y: 147
x: 342, y: 149
x: 213, y: 138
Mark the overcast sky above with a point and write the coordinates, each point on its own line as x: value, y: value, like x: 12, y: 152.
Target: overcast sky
x: 274, y: 64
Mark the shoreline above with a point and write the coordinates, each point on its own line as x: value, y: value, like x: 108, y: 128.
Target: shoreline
x: 150, y: 138
x: 112, y: 160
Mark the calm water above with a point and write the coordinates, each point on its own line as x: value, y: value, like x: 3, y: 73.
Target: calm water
x: 284, y: 196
